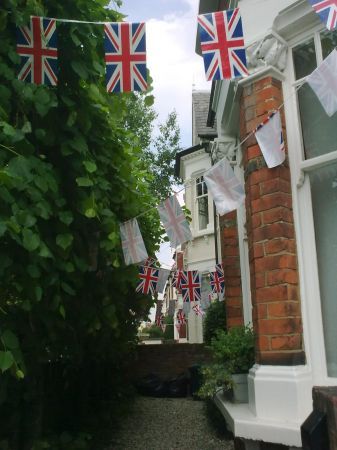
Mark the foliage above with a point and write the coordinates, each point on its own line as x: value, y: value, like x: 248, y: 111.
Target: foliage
x: 160, y: 157
x: 233, y: 352
x: 234, y: 349
x: 214, y: 320
x: 169, y: 331
x: 155, y: 331
x: 70, y: 172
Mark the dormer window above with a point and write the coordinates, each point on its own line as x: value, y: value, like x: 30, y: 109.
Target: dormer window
x: 202, y: 203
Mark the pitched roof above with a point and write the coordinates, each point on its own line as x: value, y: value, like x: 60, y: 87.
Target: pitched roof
x: 200, y: 109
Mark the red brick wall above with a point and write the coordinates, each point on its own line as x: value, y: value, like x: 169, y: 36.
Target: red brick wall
x: 231, y: 265
x: 271, y: 237
x: 168, y: 360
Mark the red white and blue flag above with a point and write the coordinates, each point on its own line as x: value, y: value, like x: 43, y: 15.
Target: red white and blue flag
x: 174, y: 221
x: 198, y: 311
x: 190, y: 286
x: 125, y: 57
x: 181, y: 318
x: 327, y: 11
x: 222, y: 44
x: 132, y: 242
x: 217, y: 280
x: 148, y: 279
x: 37, y: 46
x: 177, y: 280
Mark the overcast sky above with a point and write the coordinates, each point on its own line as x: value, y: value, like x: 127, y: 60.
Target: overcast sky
x: 174, y: 66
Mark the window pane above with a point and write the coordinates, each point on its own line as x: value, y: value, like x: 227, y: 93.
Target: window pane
x: 304, y: 59
x: 329, y: 42
x: 203, y: 212
x: 319, y: 130
x: 199, y: 189
x: 324, y: 199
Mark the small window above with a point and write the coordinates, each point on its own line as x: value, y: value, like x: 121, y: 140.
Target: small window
x: 304, y: 59
x: 202, y: 203
x: 328, y: 41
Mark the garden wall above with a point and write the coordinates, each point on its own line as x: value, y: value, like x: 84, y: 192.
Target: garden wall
x: 168, y: 360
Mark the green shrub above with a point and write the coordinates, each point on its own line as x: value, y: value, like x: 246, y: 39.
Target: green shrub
x: 215, y: 319
x: 155, y: 332
x: 169, y: 331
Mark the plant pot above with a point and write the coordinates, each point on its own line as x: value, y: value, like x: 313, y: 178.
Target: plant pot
x: 240, y: 388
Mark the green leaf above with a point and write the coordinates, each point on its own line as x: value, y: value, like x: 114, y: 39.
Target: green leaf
x: 6, y: 360
x: 90, y: 213
x: 149, y: 100
x: 3, y: 229
x: 68, y: 289
x: 10, y: 340
x: 44, y: 251
x: 90, y: 166
x: 84, y: 182
x: 31, y: 240
x: 19, y: 374
x: 64, y: 240
x: 33, y: 271
x: 80, y: 69
x: 62, y: 311
x: 66, y: 217
x: 38, y: 293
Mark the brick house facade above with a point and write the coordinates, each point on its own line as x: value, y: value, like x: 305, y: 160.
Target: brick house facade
x: 278, y: 249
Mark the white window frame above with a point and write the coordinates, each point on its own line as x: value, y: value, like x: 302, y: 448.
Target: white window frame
x: 195, y: 210
x: 199, y: 197
x: 303, y: 217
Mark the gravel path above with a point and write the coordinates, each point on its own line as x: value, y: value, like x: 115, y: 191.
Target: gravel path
x: 168, y: 424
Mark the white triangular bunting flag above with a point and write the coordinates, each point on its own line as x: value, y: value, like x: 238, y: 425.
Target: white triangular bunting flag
x: 163, y: 276
x: 269, y: 136
x: 174, y: 221
x: 132, y: 242
x: 323, y: 82
x: 226, y: 189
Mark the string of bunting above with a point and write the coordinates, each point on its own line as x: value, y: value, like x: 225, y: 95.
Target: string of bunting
x: 224, y: 55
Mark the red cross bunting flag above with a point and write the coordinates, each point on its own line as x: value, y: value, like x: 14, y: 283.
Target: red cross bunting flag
x: 174, y: 221
x: 177, y: 280
x: 125, y: 57
x: 159, y: 320
x: 327, y: 11
x: 269, y: 136
x: 132, y: 242
x: 222, y: 45
x: 227, y: 191
x: 37, y: 46
x: 323, y: 82
x: 217, y: 280
x: 198, y: 311
x: 181, y: 318
x: 190, y: 286
x: 148, y: 279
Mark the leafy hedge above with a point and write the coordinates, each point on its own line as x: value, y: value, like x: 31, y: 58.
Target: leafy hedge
x: 70, y: 172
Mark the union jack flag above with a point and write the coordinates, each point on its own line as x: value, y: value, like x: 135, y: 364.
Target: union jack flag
x: 218, y: 280
x: 125, y: 57
x: 37, y: 46
x: 174, y: 221
x: 159, y: 320
x: 198, y: 311
x: 132, y: 242
x: 181, y: 318
x: 148, y: 277
x: 222, y: 44
x: 177, y: 280
x: 227, y: 191
x: 190, y: 286
x: 327, y: 11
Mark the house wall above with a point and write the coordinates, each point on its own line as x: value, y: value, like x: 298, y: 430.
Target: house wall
x: 271, y: 236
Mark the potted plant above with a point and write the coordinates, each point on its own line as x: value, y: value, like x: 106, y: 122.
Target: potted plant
x: 233, y: 354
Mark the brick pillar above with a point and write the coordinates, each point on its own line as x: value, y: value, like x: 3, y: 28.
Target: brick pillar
x: 231, y: 264
x: 271, y: 237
